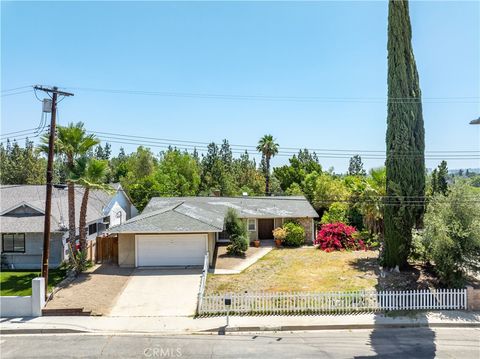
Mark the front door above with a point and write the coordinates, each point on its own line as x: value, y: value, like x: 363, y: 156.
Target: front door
x: 265, y: 228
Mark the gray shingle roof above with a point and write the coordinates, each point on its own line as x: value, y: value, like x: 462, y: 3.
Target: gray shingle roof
x: 12, y: 196
x: 194, y: 214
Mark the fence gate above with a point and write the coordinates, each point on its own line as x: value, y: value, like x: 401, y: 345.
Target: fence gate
x: 107, y: 249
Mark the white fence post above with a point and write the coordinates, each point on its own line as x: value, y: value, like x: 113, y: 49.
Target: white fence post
x: 38, y: 296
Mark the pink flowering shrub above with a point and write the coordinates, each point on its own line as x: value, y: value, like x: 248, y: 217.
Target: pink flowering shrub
x: 337, y: 237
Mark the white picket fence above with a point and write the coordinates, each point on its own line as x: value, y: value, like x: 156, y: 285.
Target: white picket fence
x: 203, y: 282
x: 333, y: 302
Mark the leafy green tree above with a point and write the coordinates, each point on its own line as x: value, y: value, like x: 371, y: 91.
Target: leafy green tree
x: 217, y: 175
x: 72, y: 142
x: 434, y: 182
x: 337, y: 212
x: 142, y: 162
x: 268, y: 148
x: 355, y: 168
x: 119, y: 166
x: 328, y: 189
x: 442, y: 178
x: 475, y: 181
x: 141, y: 190
x: 294, y: 190
x: 178, y: 174
x: 298, y: 169
x: 405, y: 139
x: 452, y: 234
x: 247, y: 177
x: 21, y: 165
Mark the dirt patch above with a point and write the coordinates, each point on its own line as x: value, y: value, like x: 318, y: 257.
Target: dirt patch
x: 226, y: 261
x: 96, y: 290
x: 414, y: 277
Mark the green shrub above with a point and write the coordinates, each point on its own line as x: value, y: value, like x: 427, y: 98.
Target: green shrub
x: 371, y: 241
x: 238, y: 245
x: 237, y: 232
x: 418, y: 251
x: 295, y: 235
x: 452, y: 234
x: 337, y: 212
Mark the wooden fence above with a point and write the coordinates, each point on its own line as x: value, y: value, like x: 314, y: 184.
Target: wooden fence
x: 334, y: 302
x: 107, y: 250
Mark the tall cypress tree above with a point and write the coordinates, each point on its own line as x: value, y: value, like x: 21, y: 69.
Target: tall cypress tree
x: 405, y: 139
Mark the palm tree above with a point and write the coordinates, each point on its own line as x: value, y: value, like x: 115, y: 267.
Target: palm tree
x: 72, y: 142
x: 371, y: 201
x: 268, y: 148
x: 91, y: 174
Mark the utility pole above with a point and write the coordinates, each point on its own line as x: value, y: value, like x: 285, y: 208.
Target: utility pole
x: 48, y: 199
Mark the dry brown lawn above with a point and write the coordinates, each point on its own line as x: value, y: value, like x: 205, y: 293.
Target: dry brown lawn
x: 302, y: 269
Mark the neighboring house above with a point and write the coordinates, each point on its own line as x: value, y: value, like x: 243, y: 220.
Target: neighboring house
x: 22, y: 219
x: 178, y: 231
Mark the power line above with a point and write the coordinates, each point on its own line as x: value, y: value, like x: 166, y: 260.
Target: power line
x: 16, y: 93
x: 218, y: 96
x: 192, y: 145
x: 284, y: 149
x: 16, y: 88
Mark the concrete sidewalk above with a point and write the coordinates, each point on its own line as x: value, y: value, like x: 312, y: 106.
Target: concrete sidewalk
x: 182, y: 325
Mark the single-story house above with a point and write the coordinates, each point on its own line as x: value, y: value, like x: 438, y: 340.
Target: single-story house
x: 179, y: 231
x: 22, y: 219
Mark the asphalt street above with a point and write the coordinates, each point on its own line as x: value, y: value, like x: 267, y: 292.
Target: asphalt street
x: 385, y: 343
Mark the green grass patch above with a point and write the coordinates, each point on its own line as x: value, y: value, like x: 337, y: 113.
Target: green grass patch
x: 19, y: 282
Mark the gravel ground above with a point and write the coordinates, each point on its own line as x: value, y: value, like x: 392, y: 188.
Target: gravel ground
x: 96, y: 290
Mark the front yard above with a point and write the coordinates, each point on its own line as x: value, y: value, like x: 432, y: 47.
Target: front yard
x: 312, y: 270
x: 19, y: 282
x: 302, y: 269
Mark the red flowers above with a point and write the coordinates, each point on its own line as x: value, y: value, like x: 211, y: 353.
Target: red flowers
x: 338, y: 236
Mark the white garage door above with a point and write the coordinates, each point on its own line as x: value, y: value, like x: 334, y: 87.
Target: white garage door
x: 170, y: 250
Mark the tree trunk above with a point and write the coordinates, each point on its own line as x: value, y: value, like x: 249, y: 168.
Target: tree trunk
x: 83, y: 220
x: 71, y: 214
x: 267, y: 176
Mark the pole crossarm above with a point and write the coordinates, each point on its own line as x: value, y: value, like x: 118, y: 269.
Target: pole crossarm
x: 53, y: 89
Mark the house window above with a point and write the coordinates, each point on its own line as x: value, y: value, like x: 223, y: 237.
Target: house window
x: 223, y: 235
x: 92, y: 228
x: 13, y: 242
x: 252, y: 225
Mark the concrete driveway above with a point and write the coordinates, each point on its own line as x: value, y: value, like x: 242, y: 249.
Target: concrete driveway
x: 159, y: 292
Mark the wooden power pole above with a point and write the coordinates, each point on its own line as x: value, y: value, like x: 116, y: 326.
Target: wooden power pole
x: 48, y: 199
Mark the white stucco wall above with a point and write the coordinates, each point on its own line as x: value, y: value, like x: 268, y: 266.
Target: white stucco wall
x: 25, y: 306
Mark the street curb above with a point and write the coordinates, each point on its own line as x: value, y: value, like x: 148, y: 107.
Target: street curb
x: 291, y: 328
x: 41, y: 331
x: 225, y: 330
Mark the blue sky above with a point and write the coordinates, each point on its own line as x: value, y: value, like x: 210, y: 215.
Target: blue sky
x: 302, y: 49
